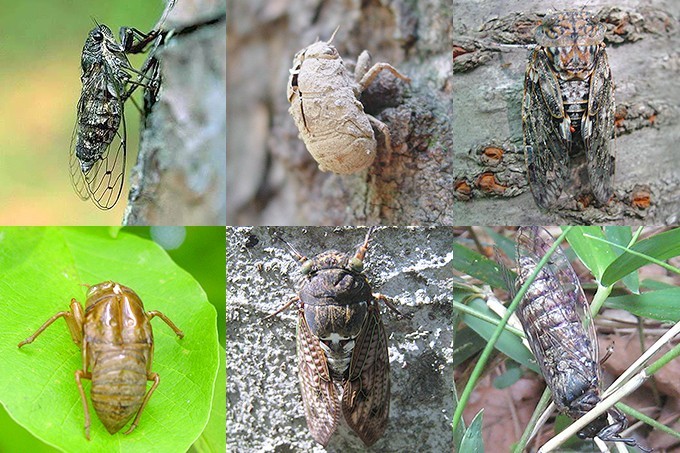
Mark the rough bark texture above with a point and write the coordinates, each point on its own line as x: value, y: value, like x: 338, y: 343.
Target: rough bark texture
x: 180, y: 176
x: 273, y: 179
x: 264, y: 406
x: 490, y: 55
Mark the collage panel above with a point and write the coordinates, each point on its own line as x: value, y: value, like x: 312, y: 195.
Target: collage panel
x: 136, y: 364
x: 323, y: 133
x: 566, y: 114
x: 110, y: 115
x: 394, y: 369
x: 585, y: 318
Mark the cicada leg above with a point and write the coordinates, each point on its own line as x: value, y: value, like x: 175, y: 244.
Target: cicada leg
x: 83, y: 374
x: 74, y: 320
x: 152, y: 313
x: 149, y: 377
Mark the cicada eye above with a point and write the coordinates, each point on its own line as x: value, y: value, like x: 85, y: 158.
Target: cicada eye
x: 306, y: 267
x: 98, y: 36
x: 356, y: 264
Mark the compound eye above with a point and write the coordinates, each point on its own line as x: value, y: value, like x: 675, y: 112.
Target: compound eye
x: 97, y: 36
x: 356, y: 264
x: 306, y: 267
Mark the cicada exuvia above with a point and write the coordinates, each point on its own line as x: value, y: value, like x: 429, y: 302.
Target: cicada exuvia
x: 556, y: 318
x: 568, y: 107
x: 97, y: 156
x: 343, y: 364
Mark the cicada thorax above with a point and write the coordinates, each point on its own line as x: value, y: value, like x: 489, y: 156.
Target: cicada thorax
x: 104, y: 77
x: 118, y: 344
x: 335, y: 303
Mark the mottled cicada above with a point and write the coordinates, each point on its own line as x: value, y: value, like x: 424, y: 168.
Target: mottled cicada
x: 114, y: 333
x: 98, y: 147
x: 556, y: 319
x: 343, y: 364
x: 568, y: 107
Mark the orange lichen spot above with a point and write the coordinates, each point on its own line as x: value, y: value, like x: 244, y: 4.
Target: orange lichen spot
x: 487, y: 183
x: 494, y: 154
x: 463, y: 190
x: 458, y: 51
x: 641, y: 198
x: 651, y: 118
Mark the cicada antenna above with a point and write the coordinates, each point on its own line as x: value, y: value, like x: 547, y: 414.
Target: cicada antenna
x: 299, y: 256
x: 361, y: 253
x: 333, y: 35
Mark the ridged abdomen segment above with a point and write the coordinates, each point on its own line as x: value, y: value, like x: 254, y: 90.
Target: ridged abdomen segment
x: 118, y: 386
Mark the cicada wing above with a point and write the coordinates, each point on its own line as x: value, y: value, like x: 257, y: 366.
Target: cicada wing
x: 562, y: 312
x: 321, y: 402
x: 599, y: 128
x: 366, y: 395
x: 546, y: 149
x: 100, y: 106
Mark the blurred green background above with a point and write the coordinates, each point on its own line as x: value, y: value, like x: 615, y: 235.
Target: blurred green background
x: 198, y: 250
x: 40, y: 46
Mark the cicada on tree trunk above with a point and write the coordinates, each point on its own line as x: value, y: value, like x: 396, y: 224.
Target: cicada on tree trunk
x: 343, y: 364
x: 556, y: 319
x: 568, y: 107
x: 99, y: 144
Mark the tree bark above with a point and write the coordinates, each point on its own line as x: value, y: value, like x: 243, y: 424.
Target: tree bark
x: 490, y: 55
x: 264, y: 405
x: 180, y: 177
x: 274, y: 180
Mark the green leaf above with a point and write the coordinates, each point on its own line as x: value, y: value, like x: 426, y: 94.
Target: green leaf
x: 472, y: 439
x: 213, y: 440
x: 595, y: 255
x: 661, y: 304
x: 509, y: 344
x: 41, y: 269
x: 511, y: 375
x: 660, y: 246
x: 622, y: 235
x: 478, y: 266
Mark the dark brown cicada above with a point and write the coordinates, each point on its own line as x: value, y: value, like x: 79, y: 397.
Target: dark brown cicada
x: 115, y: 335
x: 343, y: 364
x: 568, y: 106
x: 556, y: 319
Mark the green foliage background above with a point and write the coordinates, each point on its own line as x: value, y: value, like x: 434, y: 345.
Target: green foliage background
x: 202, y: 253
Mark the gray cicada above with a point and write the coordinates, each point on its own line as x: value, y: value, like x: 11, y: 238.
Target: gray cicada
x: 98, y: 147
x: 343, y: 364
x: 556, y: 319
x: 568, y: 107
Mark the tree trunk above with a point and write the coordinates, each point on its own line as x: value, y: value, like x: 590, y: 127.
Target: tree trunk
x: 490, y: 57
x: 274, y: 180
x: 179, y: 178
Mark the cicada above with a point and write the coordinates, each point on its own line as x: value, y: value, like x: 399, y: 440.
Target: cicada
x: 560, y: 330
x: 98, y: 151
x: 115, y: 335
x: 343, y: 364
x: 568, y: 107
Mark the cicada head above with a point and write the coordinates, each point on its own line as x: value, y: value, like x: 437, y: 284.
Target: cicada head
x: 571, y: 40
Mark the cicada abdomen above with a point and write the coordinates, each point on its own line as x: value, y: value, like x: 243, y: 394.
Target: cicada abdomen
x: 556, y: 319
x: 343, y: 364
x: 568, y: 107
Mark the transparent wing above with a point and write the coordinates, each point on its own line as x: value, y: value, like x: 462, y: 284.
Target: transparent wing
x: 103, y: 181
x: 555, y: 312
x: 599, y: 151
x: 366, y: 396
x: 545, y: 149
x: 318, y: 391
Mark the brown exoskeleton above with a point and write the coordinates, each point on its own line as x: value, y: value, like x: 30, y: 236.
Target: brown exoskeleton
x: 115, y: 336
x: 324, y: 103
